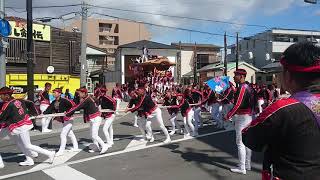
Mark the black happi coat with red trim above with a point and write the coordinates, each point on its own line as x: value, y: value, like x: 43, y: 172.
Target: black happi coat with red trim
x: 15, y: 113
x: 135, y: 101
x: 107, y: 102
x: 243, y: 101
x: 60, y: 106
x: 146, y: 105
x: 171, y: 102
x: 44, y: 97
x: 288, y: 133
x: 90, y: 108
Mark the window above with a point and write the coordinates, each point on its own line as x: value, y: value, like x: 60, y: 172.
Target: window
x: 202, y: 60
x: 269, y: 78
x: 247, y: 45
x: 239, y: 47
x: 105, y: 27
x: 254, y: 44
x: 259, y: 78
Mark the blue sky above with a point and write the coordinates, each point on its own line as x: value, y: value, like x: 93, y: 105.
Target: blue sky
x: 271, y: 13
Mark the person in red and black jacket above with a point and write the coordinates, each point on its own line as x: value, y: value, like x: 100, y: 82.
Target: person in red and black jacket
x: 226, y: 100
x: 186, y: 112
x: 171, y: 100
x: 264, y: 97
x: 140, y: 119
x: 117, y: 94
x: 288, y: 131
x: 44, y: 104
x: 212, y: 101
x: 61, y: 105
x: 197, y: 97
x: 243, y: 116
x: 14, y: 114
x: 107, y: 102
x: 151, y: 112
x: 91, y: 114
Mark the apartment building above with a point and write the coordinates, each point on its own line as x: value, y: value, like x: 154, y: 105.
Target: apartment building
x: 266, y: 47
x: 109, y: 34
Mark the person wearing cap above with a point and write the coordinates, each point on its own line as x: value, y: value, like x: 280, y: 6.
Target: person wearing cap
x: 151, y: 112
x: 264, y: 97
x: 107, y: 102
x: 140, y: 118
x: 288, y: 131
x: 212, y: 101
x: 242, y: 112
x: 117, y: 94
x: 15, y: 115
x: 184, y: 101
x: 91, y: 114
x: 171, y: 100
x: 197, y: 97
x: 44, y: 104
x: 61, y: 105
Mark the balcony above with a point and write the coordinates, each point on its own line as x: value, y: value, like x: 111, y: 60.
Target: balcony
x: 106, y: 42
x: 104, y: 29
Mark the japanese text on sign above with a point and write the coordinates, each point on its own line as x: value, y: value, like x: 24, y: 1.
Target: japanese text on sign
x: 40, y: 32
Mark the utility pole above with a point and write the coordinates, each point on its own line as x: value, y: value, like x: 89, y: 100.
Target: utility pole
x: 225, y: 54
x: 237, y: 52
x: 179, y: 64
x: 2, y: 51
x: 195, y: 64
x: 83, y: 57
x: 30, y: 80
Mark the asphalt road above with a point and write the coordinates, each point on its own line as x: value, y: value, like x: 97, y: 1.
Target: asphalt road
x: 209, y: 156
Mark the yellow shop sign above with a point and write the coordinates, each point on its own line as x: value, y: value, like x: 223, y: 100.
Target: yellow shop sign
x: 41, y: 32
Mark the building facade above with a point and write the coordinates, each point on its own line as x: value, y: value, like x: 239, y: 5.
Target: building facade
x: 109, y: 34
x: 204, y: 54
x: 267, y: 47
x: 214, y: 70
x: 51, y: 47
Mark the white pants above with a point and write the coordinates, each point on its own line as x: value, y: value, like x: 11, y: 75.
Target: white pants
x: 135, y: 119
x: 156, y: 115
x: 108, y: 129
x: 118, y: 104
x: 244, y: 153
x: 197, y: 118
x: 1, y: 162
x: 260, y: 103
x: 5, y: 132
x: 142, y: 126
x: 187, y: 121
x: 27, y: 147
x: 174, y: 122
x: 67, y: 131
x: 44, y: 121
x: 215, y: 111
x: 94, y: 131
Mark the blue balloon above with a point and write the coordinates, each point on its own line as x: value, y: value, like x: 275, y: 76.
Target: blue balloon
x: 5, y: 28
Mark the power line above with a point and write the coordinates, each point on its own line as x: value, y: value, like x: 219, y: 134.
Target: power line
x: 177, y: 28
x: 180, y: 17
x: 43, y: 7
x: 164, y: 26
